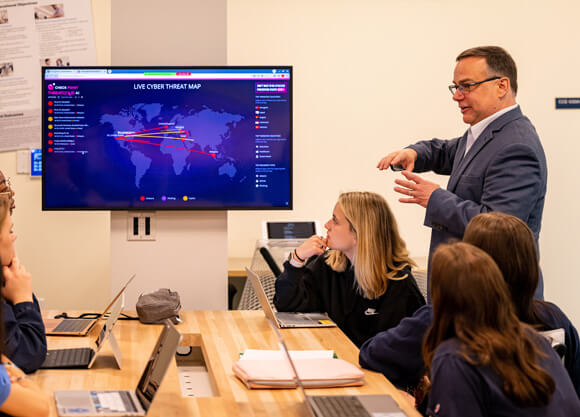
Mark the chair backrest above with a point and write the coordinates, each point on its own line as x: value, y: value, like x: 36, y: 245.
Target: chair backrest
x: 248, y: 299
x: 557, y: 339
x: 420, y: 276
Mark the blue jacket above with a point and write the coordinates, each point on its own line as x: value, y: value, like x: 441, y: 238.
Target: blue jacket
x: 397, y: 354
x: 25, y: 339
x: 505, y: 170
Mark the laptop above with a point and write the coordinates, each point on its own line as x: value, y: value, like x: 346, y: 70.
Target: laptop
x: 78, y: 327
x: 288, y: 235
x: 292, y: 230
x: 125, y: 402
x: 341, y: 405
x: 83, y: 358
x: 286, y: 319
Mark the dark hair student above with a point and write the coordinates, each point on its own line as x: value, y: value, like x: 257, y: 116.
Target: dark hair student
x: 482, y: 360
x: 510, y: 242
x: 18, y: 395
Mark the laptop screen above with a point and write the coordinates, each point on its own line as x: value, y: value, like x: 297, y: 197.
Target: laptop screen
x: 110, y: 323
x: 286, y: 354
x: 162, y: 354
x: 261, y: 294
x: 290, y: 230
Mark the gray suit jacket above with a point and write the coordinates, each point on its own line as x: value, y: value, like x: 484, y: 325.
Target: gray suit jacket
x: 505, y: 170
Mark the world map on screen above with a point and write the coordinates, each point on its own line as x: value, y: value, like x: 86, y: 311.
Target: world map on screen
x: 153, y: 130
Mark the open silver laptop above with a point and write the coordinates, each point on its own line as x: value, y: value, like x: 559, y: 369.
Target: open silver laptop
x: 84, y: 357
x: 288, y: 235
x: 286, y: 319
x: 79, y: 327
x: 341, y: 405
x: 125, y: 402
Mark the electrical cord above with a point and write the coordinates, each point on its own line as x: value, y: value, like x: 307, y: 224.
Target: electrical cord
x: 64, y: 315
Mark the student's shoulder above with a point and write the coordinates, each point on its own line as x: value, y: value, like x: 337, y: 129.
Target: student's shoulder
x: 551, y: 315
x: 449, y: 347
x: 402, y: 276
x: 423, y: 314
x: 449, y: 360
x: 404, y: 282
x: 318, y: 263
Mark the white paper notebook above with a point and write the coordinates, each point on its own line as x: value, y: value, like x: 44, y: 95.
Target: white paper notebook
x: 261, y: 354
x: 315, y: 372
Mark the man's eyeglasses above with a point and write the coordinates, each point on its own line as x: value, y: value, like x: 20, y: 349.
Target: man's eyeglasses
x: 466, y: 88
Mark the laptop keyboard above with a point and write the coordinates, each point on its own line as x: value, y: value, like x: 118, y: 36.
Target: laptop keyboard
x: 340, y: 406
x: 68, y: 358
x: 117, y: 401
x: 72, y: 325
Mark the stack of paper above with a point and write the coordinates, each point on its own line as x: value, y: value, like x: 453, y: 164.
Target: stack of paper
x: 316, y: 369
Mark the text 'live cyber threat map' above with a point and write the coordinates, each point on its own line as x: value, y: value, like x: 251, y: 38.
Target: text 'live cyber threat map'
x: 121, y: 138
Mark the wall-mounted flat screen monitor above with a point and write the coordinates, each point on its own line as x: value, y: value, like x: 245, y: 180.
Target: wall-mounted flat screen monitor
x: 166, y: 138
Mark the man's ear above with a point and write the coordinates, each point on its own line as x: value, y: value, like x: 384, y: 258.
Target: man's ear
x: 504, y: 86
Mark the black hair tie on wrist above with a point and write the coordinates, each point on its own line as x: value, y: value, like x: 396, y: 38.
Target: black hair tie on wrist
x: 298, y: 257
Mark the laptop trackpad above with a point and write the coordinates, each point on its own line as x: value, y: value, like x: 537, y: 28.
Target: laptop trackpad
x: 74, y: 402
x: 293, y: 317
x: 318, y: 317
x: 379, y: 404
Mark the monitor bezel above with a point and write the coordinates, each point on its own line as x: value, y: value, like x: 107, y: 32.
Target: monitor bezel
x: 290, y: 205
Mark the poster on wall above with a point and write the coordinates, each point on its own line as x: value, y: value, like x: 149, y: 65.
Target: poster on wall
x: 35, y: 34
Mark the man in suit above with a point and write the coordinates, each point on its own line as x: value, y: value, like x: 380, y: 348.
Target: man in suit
x: 497, y: 165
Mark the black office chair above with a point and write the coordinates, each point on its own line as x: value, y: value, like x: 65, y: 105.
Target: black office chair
x: 232, y: 291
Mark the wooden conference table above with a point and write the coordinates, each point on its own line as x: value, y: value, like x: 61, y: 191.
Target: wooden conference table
x: 222, y: 335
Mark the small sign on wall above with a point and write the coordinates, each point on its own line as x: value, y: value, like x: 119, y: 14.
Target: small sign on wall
x: 568, y: 102
x: 35, y: 162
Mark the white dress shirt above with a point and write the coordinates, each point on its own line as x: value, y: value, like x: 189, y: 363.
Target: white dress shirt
x: 475, y: 131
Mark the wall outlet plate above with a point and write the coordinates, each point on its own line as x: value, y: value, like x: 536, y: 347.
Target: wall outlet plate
x: 23, y: 162
x: 141, y: 226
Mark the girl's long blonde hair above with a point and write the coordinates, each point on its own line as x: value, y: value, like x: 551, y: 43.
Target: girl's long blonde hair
x: 380, y: 251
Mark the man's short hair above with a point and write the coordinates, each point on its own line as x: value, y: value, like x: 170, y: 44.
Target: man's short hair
x: 498, y: 60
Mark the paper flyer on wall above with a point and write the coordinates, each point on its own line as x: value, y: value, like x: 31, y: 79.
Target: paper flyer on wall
x: 33, y: 34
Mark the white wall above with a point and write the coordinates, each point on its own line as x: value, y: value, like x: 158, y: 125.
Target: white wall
x: 190, y: 252
x: 370, y: 76
x: 67, y: 253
